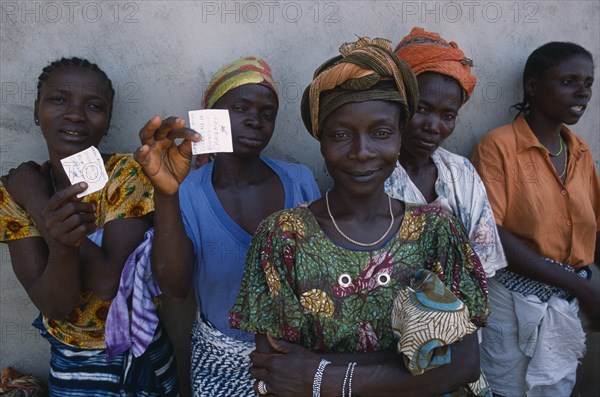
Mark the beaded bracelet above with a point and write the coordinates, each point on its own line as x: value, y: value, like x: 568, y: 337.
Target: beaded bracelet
x: 350, y: 368
x: 350, y: 380
x: 319, y: 377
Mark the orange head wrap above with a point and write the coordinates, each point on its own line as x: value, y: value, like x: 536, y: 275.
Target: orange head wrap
x: 425, y: 51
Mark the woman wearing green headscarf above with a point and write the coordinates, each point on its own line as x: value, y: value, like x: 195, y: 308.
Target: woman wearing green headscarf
x: 322, y: 278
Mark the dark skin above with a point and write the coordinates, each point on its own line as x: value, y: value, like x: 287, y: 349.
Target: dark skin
x: 241, y: 179
x: 360, y: 144
x: 440, y: 99
x: 552, y: 97
x: 556, y: 95
x: 55, y: 268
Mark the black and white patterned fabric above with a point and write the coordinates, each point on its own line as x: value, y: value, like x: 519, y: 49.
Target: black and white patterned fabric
x: 526, y: 286
x: 220, y: 364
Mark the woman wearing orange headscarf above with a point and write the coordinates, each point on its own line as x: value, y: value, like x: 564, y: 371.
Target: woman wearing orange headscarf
x: 427, y: 173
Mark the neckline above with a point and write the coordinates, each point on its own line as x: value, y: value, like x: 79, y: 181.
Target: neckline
x: 227, y: 221
x: 414, y: 190
x: 311, y: 218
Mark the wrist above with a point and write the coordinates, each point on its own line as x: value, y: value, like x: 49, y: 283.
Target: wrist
x: 333, y: 378
x: 318, y: 378
x: 166, y: 198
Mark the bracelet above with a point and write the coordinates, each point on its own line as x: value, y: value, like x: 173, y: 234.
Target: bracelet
x: 350, y: 380
x: 319, y: 377
x: 348, y: 369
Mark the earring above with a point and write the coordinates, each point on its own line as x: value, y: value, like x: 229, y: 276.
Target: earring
x: 37, y: 121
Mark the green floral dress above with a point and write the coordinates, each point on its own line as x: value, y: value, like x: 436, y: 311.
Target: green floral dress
x: 300, y: 286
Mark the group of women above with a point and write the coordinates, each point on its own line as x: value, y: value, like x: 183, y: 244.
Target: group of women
x: 375, y: 289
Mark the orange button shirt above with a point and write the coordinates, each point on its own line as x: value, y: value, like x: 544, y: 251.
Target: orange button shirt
x: 554, y: 220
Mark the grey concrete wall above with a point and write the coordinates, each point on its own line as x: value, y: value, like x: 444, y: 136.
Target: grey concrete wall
x: 161, y: 54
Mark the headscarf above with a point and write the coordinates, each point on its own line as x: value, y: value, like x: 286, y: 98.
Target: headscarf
x: 247, y: 70
x: 425, y: 51
x: 366, y: 70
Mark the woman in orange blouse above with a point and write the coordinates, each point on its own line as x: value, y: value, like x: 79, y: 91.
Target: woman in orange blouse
x: 545, y: 192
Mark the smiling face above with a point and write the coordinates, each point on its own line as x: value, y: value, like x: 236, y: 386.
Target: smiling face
x: 440, y: 98
x: 562, y: 92
x: 360, y: 144
x: 73, y: 110
x: 252, y: 111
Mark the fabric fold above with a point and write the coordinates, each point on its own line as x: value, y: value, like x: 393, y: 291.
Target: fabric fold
x: 132, y: 318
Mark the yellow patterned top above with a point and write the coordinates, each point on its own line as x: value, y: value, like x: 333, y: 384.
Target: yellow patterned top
x: 127, y: 194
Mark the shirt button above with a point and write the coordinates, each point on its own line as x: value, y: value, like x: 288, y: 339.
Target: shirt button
x: 569, y: 223
x: 564, y: 192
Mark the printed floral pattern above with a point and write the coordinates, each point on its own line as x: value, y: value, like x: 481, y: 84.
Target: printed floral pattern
x: 127, y: 194
x: 461, y: 192
x: 312, y: 305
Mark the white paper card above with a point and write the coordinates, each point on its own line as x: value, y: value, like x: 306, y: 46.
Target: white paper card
x: 86, y: 166
x: 215, y: 128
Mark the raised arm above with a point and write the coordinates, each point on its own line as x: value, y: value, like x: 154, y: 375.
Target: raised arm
x: 167, y: 164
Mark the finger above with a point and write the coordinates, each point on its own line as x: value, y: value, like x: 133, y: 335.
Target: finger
x: 280, y: 346
x: 33, y: 164
x: 259, y: 360
x: 69, y: 216
x: 141, y: 154
x: 188, y: 136
x: 147, y: 132
x: 259, y: 373
x: 65, y: 195
x: 168, y: 125
x: 45, y: 167
x: 77, y: 236
x: 184, y: 133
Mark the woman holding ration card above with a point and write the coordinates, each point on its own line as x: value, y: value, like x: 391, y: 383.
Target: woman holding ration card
x: 69, y: 253
x: 205, y: 219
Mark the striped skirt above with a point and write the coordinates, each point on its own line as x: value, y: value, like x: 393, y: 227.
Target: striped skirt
x: 87, y: 372
x: 220, y: 364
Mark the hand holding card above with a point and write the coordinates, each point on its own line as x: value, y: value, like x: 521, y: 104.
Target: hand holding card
x: 215, y: 128
x: 86, y: 166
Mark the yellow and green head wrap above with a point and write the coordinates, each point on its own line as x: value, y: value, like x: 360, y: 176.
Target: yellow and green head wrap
x: 247, y: 70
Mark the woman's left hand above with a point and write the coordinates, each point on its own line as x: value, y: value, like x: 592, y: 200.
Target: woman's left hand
x: 288, y: 372
x: 26, y: 182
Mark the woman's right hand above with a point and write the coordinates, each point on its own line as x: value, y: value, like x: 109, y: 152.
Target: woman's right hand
x: 164, y: 162
x: 66, y: 219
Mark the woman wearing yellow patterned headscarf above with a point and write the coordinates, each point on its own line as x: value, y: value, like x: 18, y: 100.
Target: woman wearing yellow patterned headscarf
x: 247, y: 70
x: 204, y: 224
x: 322, y: 278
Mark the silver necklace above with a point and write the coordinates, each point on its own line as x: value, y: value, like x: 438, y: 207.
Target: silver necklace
x: 379, y: 240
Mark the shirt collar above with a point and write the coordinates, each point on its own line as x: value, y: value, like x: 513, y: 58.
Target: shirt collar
x: 526, y: 139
